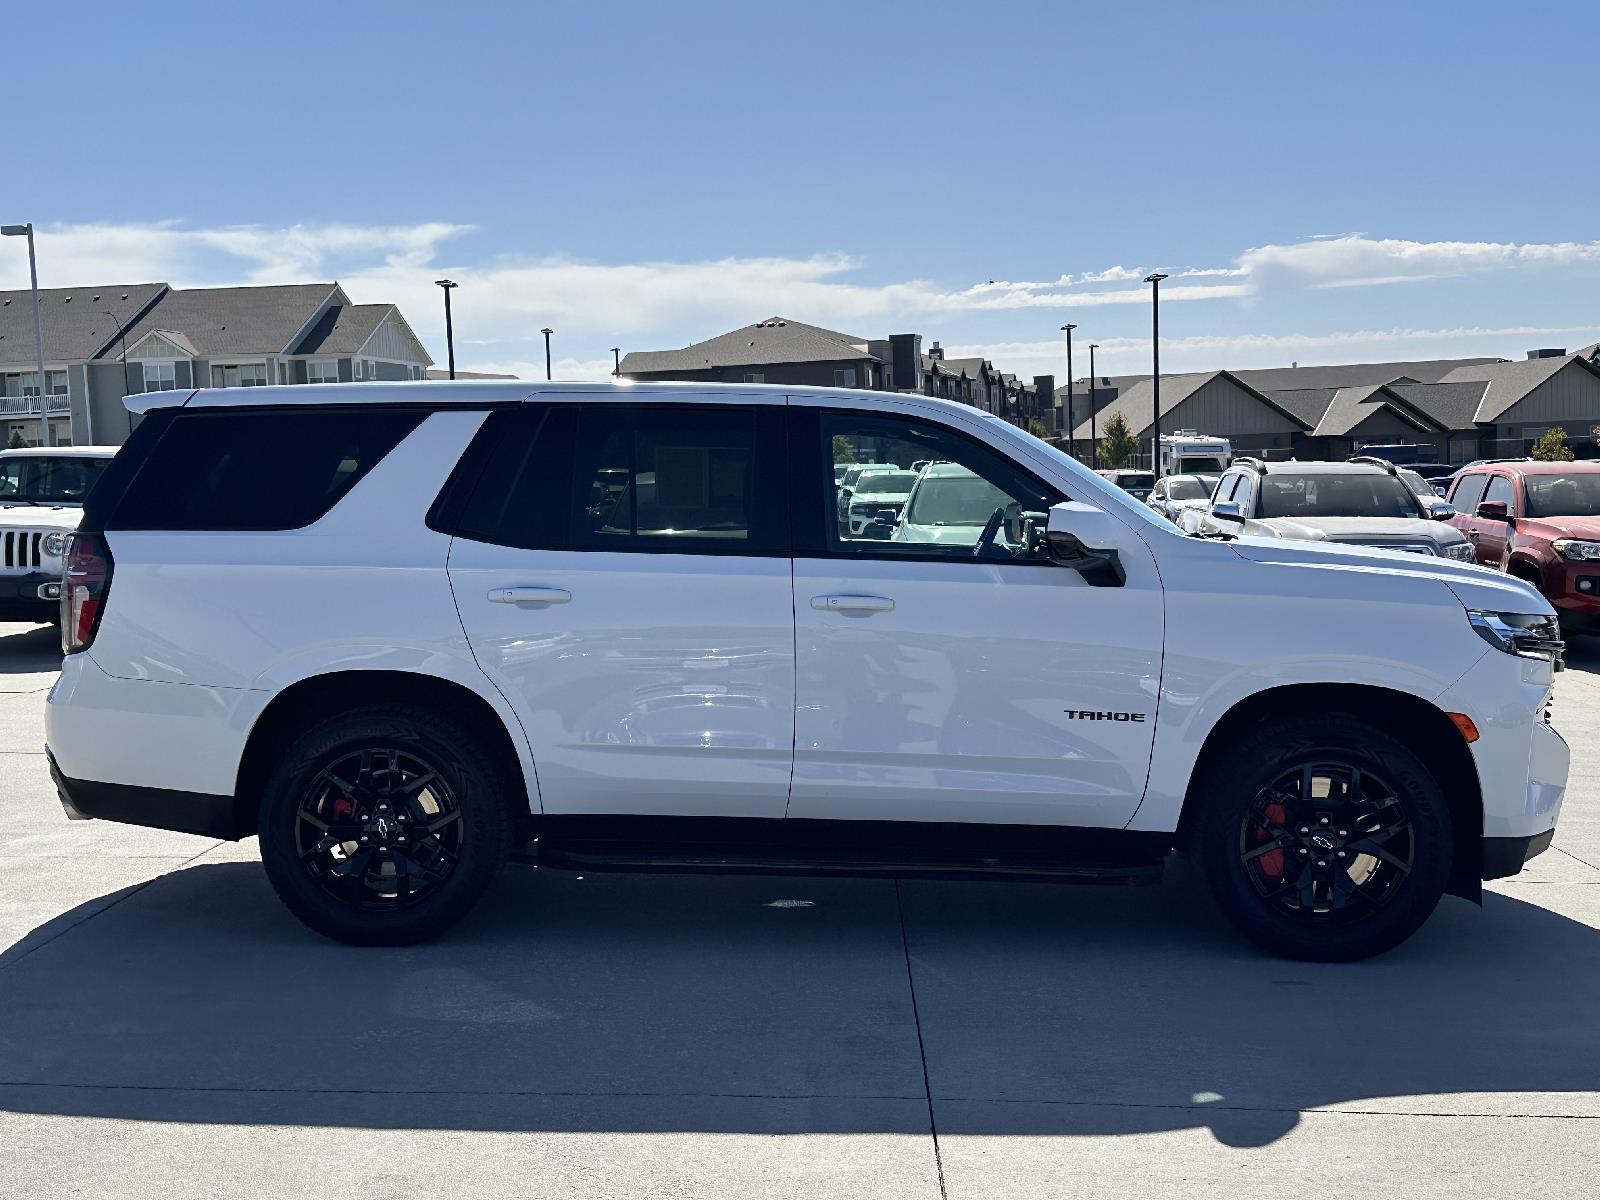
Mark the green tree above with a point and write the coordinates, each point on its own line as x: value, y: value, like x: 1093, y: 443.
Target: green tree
x: 17, y: 442
x: 1552, y: 447
x: 1118, y: 445
x: 843, y: 451
x: 1038, y: 428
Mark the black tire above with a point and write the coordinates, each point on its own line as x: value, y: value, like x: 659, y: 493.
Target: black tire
x: 1331, y: 900
x: 423, y: 873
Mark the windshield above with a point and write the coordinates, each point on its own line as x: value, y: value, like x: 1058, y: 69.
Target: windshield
x: 1215, y: 465
x: 1563, y: 495
x: 955, y: 500
x: 1418, y: 484
x: 891, y: 483
x: 1186, y: 489
x: 47, y: 479
x: 1367, y: 494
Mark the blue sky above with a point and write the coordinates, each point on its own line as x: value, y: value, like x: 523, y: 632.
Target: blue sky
x: 1352, y: 181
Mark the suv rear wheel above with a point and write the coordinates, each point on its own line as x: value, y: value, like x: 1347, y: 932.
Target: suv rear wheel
x: 384, y: 825
x: 1323, y: 838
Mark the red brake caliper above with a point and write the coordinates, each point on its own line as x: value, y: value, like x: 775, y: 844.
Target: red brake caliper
x: 343, y: 806
x: 1271, y: 863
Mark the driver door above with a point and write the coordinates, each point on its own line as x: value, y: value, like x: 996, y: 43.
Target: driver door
x: 949, y: 672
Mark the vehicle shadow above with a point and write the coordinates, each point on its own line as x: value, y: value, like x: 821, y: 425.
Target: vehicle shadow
x: 658, y: 1003
x: 29, y: 649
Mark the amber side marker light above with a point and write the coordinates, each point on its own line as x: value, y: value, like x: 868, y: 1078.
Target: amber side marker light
x: 1464, y: 723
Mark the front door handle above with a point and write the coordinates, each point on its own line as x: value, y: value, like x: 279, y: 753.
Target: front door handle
x: 529, y: 595
x: 853, y: 604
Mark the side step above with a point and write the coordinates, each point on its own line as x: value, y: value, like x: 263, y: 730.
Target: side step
x: 861, y: 849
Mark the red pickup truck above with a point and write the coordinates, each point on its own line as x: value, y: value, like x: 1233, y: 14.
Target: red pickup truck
x: 1539, y: 521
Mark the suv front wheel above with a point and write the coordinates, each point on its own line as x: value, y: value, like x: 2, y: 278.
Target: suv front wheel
x: 1323, y: 838
x: 384, y: 825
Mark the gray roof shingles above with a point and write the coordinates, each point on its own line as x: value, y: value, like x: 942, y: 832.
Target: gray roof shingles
x: 343, y: 329
x: 1508, y: 382
x: 236, y: 321
x: 73, y: 320
x: 775, y: 340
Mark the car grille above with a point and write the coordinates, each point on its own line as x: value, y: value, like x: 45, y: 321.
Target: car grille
x: 20, y: 553
x: 1407, y: 547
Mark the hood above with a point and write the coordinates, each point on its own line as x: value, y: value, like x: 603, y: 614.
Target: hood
x: 39, y: 516
x: 1587, y: 528
x: 1377, y: 529
x: 1474, y: 586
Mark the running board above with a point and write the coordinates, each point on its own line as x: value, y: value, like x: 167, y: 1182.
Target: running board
x: 856, y: 849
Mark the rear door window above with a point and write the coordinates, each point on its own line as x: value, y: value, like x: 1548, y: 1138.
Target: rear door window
x: 222, y: 469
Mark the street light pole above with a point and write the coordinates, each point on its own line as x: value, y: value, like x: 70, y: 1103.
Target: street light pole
x: 127, y: 388
x: 616, y: 356
x: 1094, y: 436
x: 38, y: 328
x: 1154, y: 280
x: 449, y: 328
x: 547, y: 333
x: 1072, y: 437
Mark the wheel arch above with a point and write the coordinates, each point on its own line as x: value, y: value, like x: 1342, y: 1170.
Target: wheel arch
x: 1526, y: 566
x: 315, y: 697
x: 1422, y: 727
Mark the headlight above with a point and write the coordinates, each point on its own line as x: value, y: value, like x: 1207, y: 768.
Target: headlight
x: 1576, y: 549
x: 54, y: 544
x: 1460, y: 551
x: 1519, y: 633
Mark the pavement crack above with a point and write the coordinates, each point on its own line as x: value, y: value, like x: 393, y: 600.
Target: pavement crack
x: 1575, y: 858
x: 922, y: 1049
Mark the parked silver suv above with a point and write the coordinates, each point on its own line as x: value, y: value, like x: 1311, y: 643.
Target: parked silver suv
x: 1363, y: 502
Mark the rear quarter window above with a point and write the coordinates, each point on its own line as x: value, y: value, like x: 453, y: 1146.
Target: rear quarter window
x: 255, y: 470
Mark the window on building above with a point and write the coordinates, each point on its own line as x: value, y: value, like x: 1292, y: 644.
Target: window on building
x: 283, y: 372
x: 361, y: 368
x: 55, y: 383
x: 844, y: 377
x: 325, y: 371
x: 253, y: 375
x: 160, y: 377
x: 372, y: 368
x: 755, y: 377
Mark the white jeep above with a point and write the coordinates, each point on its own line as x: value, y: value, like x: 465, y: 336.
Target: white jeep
x: 41, y: 501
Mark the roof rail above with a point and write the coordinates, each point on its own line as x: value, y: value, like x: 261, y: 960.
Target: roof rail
x: 1373, y: 460
x: 1255, y: 464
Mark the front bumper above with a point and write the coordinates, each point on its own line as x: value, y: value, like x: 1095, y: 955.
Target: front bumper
x: 1506, y: 856
x: 35, y: 596
x: 1574, y: 590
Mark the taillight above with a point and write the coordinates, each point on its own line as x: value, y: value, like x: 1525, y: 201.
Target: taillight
x: 83, y: 590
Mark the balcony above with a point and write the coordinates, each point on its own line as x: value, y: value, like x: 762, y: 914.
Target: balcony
x: 28, y: 406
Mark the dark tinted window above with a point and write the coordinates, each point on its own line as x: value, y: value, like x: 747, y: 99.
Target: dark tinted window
x: 1329, y: 494
x: 1562, y: 495
x: 676, y: 479
x: 1468, y: 491
x: 1500, y: 488
x: 265, y: 469
x: 48, y: 479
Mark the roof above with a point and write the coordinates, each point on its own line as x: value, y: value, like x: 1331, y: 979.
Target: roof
x: 1331, y: 377
x: 1531, y: 466
x: 59, y: 452
x: 73, y: 319
x: 1136, y: 405
x: 1452, y: 405
x: 1306, y: 404
x: 775, y: 340
x: 973, y: 367
x: 1590, y: 352
x: 243, y: 321
x: 1352, y: 405
x: 343, y: 329
x: 1326, y: 468
x: 1510, y: 382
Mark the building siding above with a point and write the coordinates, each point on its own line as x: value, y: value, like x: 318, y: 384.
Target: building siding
x: 1224, y: 409
x: 1570, y: 398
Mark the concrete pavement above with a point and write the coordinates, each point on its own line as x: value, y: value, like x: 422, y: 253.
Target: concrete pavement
x: 166, y: 1029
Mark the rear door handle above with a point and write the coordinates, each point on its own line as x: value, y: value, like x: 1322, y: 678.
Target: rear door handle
x: 853, y: 604
x: 529, y: 595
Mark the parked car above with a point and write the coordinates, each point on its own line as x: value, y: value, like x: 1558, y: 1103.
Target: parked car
x: 877, y: 501
x: 42, y: 490
x: 1438, y: 475
x: 388, y: 630
x: 1357, y: 503
x: 846, y: 488
x: 1539, y: 521
x: 1171, y: 494
x: 1136, y: 483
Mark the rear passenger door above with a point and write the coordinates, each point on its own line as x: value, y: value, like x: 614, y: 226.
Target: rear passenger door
x: 1493, y: 536
x: 622, y: 574
x: 1464, y: 496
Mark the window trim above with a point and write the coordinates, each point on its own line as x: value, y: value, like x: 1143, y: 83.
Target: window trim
x: 1513, y: 505
x: 808, y: 463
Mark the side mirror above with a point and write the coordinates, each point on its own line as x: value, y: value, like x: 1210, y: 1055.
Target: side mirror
x: 1228, y: 510
x: 1085, y: 538
x: 1440, y: 510
x: 1494, y: 510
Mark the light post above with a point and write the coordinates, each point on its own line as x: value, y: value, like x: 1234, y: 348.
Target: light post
x: 127, y: 388
x: 1154, y: 280
x: 1094, y: 437
x: 1072, y: 439
x: 616, y: 357
x: 449, y: 329
x: 38, y: 329
x: 547, y: 333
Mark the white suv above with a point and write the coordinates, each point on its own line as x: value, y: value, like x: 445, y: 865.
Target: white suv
x: 41, y: 499
x: 398, y: 630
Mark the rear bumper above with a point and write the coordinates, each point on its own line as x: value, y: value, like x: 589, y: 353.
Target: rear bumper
x: 154, y: 808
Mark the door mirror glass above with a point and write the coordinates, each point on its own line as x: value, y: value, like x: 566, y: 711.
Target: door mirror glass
x: 1227, y: 510
x: 1494, y: 510
x: 1440, y: 510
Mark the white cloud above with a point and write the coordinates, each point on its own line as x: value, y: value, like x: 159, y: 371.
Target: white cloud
x: 1356, y: 260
